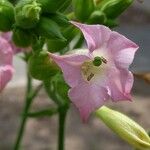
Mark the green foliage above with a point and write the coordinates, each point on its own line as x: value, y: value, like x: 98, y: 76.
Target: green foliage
x: 60, y: 19
x: 51, y: 6
x: 22, y: 38
x: 49, y: 29
x: 113, y: 8
x: 6, y: 15
x: 57, y: 89
x: 97, y: 17
x: 83, y: 9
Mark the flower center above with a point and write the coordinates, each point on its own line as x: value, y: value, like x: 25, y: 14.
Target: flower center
x: 90, y: 69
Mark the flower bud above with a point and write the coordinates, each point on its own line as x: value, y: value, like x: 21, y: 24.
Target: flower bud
x: 27, y: 13
x: 49, y: 29
x: 41, y: 67
x: 97, y: 17
x: 22, y: 38
x: 125, y: 127
x: 83, y: 9
x: 6, y: 15
x: 51, y: 6
x: 113, y: 8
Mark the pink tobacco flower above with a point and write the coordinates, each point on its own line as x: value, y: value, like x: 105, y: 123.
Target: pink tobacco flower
x: 6, y: 69
x: 7, y: 36
x: 100, y: 72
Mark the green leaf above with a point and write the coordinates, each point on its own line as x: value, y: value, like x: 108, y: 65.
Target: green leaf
x: 43, y: 113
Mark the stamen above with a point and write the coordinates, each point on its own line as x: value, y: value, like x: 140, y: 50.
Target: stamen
x: 90, y: 77
x: 104, y: 60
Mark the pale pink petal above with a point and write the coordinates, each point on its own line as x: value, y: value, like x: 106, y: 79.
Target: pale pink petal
x: 122, y: 50
x: 88, y: 98
x: 96, y: 36
x: 7, y: 36
x: 6, y: 56
x: 71, y: 67
x: 120, y: 83
x: 6, y: 73
x: 6, y: 53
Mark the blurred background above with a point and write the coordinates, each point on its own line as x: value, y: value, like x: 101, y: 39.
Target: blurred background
x: 41, y: 133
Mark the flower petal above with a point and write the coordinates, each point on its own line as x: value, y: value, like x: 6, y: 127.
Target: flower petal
x: 6, y: 53
x: 71, y: 67
x: 7, y: 36
x: 122, y: 50
x: 96, y: 36
x: 87, y: 98
x: 120, y: 83
x: 6, y: 73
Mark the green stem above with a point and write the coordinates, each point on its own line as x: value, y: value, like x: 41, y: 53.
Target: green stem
x: 28, y: 100
x: 61, y: 130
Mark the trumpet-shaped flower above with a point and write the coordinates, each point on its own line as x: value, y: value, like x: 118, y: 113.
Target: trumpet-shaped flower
x: 6, y: 69
x: 100, y: 72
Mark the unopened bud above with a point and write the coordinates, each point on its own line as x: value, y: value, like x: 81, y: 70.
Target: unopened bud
x: 125, y: 127
x: 27, y: 13
x: 6, y: 15
x: 41, y: 67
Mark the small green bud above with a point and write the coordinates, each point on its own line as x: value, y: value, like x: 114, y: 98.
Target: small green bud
x: 6, y: 15
x: 22, y: 38
x: 97, y: 61
x: 113, y: 8
x: 125, y: 127
x: 83, y: 9
x: 27, y: 13
x: 49, y: 29
x: 51, y: 6
x: 97, y: 17
x: 41, y: 67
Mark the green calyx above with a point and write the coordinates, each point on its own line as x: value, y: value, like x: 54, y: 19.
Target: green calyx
x: 6, y: 15
x: 27, y: 13
x: 22, y: 38
x: 97, y: 61
x: 41, y: 67
x: 49, y: 29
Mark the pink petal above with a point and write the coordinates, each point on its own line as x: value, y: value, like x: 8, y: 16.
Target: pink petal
x: 7, y: 36
x: 122, y: 50
x: 6, y: 53
x: 6, y: 56
x: 96, y: 36
x: 71, y: 67
x: 88, y: 98
x: 120, y: 83
x: 6, y: 73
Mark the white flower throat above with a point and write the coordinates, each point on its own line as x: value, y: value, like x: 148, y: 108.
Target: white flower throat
x: 92, y: 69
